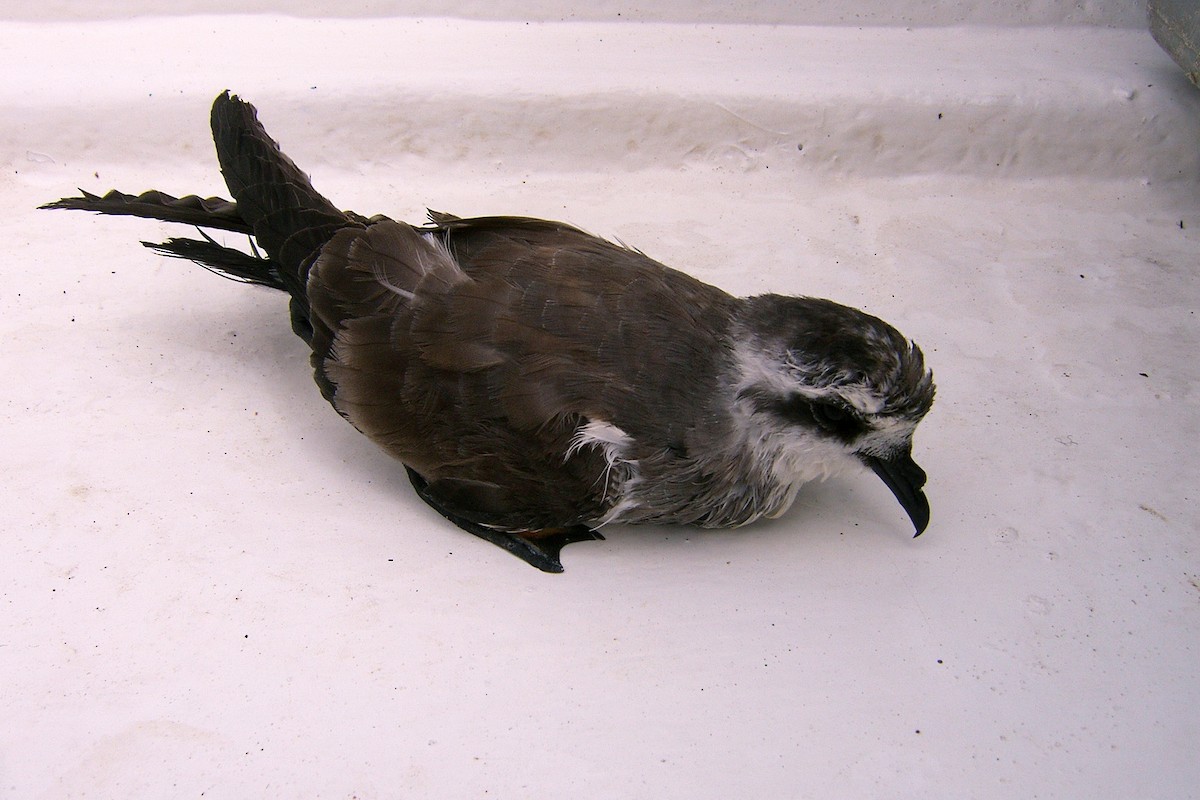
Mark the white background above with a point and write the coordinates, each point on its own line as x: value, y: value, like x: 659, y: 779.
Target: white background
x: 212, y: 586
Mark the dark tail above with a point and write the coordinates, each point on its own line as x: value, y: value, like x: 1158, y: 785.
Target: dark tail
x: 207, y: 212
x: 203, y: 212
x: 288, y: 217
x: 275, y: 203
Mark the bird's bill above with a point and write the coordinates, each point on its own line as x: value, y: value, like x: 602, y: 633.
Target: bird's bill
x: 905, y: 478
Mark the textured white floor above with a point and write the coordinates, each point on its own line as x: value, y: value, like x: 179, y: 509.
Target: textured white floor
x: 211, y: 586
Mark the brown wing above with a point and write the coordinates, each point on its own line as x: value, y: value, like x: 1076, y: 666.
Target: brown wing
x: 475, y: 352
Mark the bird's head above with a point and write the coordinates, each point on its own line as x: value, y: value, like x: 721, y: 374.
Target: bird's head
x: 825, y: 387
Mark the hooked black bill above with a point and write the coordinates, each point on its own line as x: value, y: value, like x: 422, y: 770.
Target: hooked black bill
x: 905, y: 478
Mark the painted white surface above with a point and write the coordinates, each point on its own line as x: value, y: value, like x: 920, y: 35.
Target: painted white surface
x: 211, y: 586
x: 1116, y: 13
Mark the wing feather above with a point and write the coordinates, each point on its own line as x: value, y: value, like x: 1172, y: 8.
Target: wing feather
x: 474, y: 350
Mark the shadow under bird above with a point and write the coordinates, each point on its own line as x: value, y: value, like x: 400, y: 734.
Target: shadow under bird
x: 538, y: 382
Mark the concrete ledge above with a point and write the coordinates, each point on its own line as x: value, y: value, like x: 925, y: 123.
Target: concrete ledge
x: 883, y: 101
x: 1119, y: 13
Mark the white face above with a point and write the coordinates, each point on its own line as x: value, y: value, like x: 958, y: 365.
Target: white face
x: 795, y: 452
x: 827, y: 390
x: 886, y: 435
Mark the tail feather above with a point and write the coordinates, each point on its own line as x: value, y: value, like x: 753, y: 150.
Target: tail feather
x: 208, y: 212
x: 225, y: 261
x: 288, y: 217
x: 274, y: 203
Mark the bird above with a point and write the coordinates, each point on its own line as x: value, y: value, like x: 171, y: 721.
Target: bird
x: 537, y: 382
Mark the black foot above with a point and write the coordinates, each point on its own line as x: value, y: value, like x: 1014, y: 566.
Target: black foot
x: 537, y: 548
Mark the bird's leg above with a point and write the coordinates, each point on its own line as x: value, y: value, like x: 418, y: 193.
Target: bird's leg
x: 537, y: 548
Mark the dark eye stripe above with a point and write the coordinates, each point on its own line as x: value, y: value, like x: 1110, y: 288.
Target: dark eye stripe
x: 830, y: 416
x: 835, y: 418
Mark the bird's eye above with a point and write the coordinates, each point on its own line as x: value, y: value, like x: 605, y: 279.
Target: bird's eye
x: 828, y: 412
x: 835, y: 418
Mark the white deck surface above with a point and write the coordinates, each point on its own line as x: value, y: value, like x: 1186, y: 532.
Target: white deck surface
x: 212, y: 586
